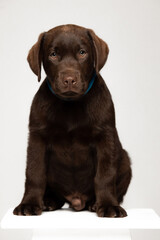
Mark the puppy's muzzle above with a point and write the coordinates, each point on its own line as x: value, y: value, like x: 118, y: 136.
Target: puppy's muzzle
x: 69, y: 80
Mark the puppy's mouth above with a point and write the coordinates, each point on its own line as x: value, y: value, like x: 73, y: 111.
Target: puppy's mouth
x: 69, y: 94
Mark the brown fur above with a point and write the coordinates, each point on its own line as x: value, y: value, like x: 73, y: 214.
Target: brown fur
x: 74, y: 154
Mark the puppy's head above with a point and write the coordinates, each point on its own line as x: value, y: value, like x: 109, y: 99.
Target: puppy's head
x: 70, y: 56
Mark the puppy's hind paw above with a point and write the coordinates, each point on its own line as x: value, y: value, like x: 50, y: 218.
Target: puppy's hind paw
x: 51, y: 205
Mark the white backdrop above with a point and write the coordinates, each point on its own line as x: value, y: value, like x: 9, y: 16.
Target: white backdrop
x: 132, y: 73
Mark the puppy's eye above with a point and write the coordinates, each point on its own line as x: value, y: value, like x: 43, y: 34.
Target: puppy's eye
x: 53, y: 54
x: 82, y: 52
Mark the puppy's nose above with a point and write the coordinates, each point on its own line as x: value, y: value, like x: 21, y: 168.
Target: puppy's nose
x: 69, y: 80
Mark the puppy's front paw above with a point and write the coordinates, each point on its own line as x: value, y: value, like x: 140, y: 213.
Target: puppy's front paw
x: 27, y: 210
x: 111, y: 211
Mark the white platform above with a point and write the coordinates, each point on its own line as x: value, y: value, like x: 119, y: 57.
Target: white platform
x: 68, y: 224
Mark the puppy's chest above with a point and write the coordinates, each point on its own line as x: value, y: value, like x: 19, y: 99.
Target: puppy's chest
x: 71, y: 143
x: 72, y: 154
x: 71, y: 167
x: 69, y: 130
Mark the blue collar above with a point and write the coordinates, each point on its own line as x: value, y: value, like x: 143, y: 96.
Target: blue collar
x: 89, y: 86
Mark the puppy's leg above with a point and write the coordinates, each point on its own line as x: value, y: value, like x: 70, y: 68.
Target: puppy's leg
x: 52, y: 201
x: 105, y: 180
x: 124, y: 175
x: 32, y: 202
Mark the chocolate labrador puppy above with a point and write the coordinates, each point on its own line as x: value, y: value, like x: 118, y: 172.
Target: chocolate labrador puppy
x: 74, y: 153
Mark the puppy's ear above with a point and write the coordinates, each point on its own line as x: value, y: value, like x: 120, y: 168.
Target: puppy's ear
x: 35, y: 56
x: 100, y: 48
